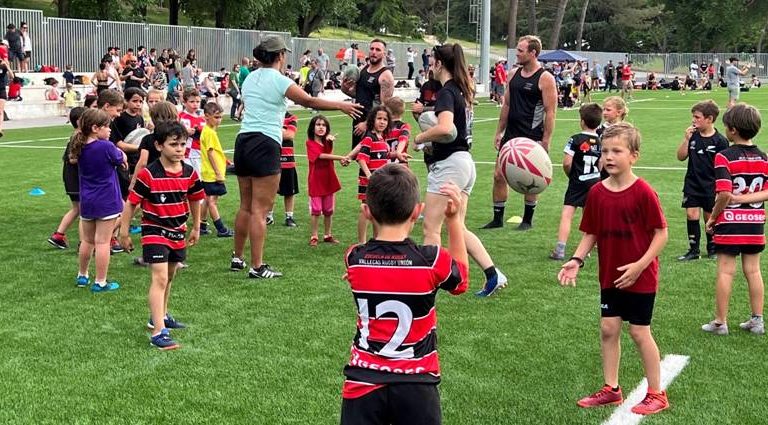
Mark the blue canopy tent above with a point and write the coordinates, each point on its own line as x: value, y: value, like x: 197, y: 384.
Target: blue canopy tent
x: 560, y: 56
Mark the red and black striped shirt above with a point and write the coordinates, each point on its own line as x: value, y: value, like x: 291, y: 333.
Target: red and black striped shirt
x: 741, y: 169
x: 400, y: 133
x: 394, y: 286
x: 287, y: 156
x: 374, y: 151
x: 164, y: 200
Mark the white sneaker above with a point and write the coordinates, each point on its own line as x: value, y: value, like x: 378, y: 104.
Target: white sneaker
x: 502, y: 278
x: 715, y: 328
x: 756, y: 326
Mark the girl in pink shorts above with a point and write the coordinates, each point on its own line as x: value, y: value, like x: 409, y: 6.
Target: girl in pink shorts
x: 322, y: 180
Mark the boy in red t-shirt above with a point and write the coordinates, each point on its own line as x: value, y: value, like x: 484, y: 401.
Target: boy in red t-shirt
x: 624, y: 217
x: 738, y: 217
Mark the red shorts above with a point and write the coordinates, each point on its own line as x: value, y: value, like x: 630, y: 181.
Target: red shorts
x: 322, y: 205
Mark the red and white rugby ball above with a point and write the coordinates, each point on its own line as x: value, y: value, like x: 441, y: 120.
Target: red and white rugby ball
x: 525, y: 165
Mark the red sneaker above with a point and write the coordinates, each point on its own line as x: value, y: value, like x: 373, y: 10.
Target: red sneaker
x: 605, y: 397
x: 59, y: 240
x: 313, y: 241
x: 652, y: 403
x: 330, y: 239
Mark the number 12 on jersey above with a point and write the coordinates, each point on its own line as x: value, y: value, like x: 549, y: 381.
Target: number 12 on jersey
x: 404, y: 322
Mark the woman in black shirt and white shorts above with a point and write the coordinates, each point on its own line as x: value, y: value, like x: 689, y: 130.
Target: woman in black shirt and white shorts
x: 451, y: 162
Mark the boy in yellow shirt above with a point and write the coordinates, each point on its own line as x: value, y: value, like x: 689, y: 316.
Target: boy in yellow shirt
x: 214, y: 166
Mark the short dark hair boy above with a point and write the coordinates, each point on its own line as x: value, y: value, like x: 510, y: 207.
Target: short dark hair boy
x: 701, y: 142
x: 405, y: 277
x: 167, y: 191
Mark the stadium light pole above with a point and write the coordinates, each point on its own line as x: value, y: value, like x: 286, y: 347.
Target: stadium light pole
x: 447, y: 12
x: 485, y: 44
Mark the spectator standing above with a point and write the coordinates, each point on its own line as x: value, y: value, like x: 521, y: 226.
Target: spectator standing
x: 133, y: 75
x: 5, y: 76
x: 609, y: 74
x: 15, y: 48
x: 159, y: 79
x: 26, y: 42
x: 425, y: 61
x: 411, y: 56
x: 188, y: 75
x: 316, y: 79
x: 595, y: 75
x: 306, y: 57
x: 732, y: 74
x: 322, y: 61
x: 391, y: 60
x: 234, y: 92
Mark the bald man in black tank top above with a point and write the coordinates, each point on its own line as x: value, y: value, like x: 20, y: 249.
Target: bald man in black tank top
x: 375, y: 85
x: 529, y: 109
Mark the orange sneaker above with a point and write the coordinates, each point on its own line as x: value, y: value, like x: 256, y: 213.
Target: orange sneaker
x: 605, y: 397
x: 652, y: 403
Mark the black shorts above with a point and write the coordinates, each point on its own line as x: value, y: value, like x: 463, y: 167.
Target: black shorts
x: 632, y: 307
x: 71, y: 178
x: 15, y: 54
x: 214, y: 189
x: 155, y: 253
x: 736, y: 250
x: 124, y: 180
x: 704, y: 202
x: 3, y: 94
x: 289, y: 182
x: 396, y: 404
x: 576, y: 195
x: 256, y: 155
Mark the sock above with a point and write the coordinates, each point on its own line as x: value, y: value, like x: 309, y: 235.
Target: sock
x: 560, y: 249
x: 220, y: 227
x: 710, y: 243
x: 82, y: 275
x: 498, y: 211
x: 289, y: 214
x: 102, y: 284
x: 694, y: 234
x: 529, y: 210
x: 490, y: 273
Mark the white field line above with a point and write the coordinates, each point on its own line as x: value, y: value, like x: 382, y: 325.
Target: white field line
x: 671, y: 366
x: 16, y: 142
x: 302, y: 155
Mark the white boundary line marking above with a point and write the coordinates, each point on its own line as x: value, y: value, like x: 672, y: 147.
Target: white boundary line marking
x: 16, y: 142
x: 671, y: 366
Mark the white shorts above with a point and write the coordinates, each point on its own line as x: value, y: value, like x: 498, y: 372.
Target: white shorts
x: 107, y: 218
x: 458, y: 169
x: 733, y: 92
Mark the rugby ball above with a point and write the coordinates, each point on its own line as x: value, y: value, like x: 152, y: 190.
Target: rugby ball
x: 134, y: 137
x: 525, y: 165
x: 428, y: 120
x: 351, y: 73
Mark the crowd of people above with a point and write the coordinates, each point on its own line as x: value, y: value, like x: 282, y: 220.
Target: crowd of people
x: 178, y: 170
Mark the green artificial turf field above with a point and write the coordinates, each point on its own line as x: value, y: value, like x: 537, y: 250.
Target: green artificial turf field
x: 272, y: 352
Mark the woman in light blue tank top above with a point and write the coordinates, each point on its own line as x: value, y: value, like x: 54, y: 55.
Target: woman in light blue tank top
x: 257, y: 148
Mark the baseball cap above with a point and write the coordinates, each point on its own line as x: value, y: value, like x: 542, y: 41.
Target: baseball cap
x: 273, y: 44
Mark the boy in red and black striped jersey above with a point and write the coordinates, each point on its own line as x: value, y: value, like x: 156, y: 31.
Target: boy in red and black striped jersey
x: 374, y: 154
x: 167, y: 191
x: 289, y: 180
x: 738, y: 217
x: 393, y: 371
x: 400, y: 133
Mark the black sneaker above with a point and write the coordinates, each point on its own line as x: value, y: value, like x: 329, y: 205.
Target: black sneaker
x: 493, y: 224
x: 227, y: 233
x: 290, y: 222
x: 263, y: 272
x: 689, y: 256
x: 712, y: 255
x: 204, y: 230
x: 168, y: 322
x: 163, y: 341
x: 524, y: 226
x: 236, y: 264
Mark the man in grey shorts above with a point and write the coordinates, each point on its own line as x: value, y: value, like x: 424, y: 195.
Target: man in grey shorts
x: 732, y: 74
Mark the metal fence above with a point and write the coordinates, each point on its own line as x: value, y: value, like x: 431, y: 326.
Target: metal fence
x: 671, y: 64
x: 81, y: 43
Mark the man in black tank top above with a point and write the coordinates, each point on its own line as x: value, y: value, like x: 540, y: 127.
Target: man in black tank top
x: 375, y: 85
x: 528, y: 111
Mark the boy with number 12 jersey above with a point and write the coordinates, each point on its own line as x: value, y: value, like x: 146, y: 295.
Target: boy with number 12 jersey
x: 393, y: 371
